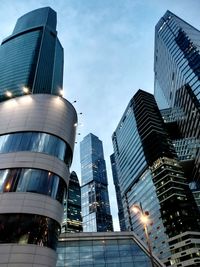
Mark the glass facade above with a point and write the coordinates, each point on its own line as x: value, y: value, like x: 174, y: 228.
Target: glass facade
x: 157, y: 181
x: 144, y: 191
x: 24, y: 56
x: 72, y: 219
x: 129, y: 155
x: 94, y: 190
x: 177, y: 78
x: 34, y: 181
x: 103, y: 251
x: 118, y: 194
x: 29, y: 229
x: 176, y: 60
x: 135, y: 179
x: 36, y: 142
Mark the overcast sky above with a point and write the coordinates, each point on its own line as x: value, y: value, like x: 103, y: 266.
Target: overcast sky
x: 109, y: 50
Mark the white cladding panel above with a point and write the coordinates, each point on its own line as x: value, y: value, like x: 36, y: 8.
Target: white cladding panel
x: 41, y: 113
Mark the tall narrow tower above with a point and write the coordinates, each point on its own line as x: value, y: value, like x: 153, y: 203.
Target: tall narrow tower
x: 118, y: 193
x: 94, y: 189
x: 37, y: 136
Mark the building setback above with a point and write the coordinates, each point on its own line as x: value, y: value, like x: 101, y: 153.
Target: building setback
x: 150, y: 173
x: 94, y: 188
x: 37, y: 136
x: 72, y: 219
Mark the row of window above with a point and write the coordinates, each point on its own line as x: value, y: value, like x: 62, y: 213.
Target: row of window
x: 18, y: 60
x: 32, y: 180
x: 96, y: 253
x: 29, y: 229
x: 36, y: 142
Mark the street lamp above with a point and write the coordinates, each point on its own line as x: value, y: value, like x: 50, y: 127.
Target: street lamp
x: 137, y: 208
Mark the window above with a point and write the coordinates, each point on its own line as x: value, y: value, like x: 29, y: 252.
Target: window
x: 36, y: 142
x: 33, y: 180
x: 29, y: 229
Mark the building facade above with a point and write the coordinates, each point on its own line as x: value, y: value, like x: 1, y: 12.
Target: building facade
x: 72, y: 219
x: 36, y: 143
x: 118, y: 193
x: 25, y: 64
x: 117, y: 249
x: 94, y: 186
x: 177, y: 80
x: 150, y: 173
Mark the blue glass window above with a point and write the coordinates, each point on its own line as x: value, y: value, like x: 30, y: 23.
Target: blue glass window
x: 36, y: 142
x: 32, y: 180
x: 29, y: 229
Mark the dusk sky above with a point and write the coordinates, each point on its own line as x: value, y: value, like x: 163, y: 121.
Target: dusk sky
x: 109, y: 52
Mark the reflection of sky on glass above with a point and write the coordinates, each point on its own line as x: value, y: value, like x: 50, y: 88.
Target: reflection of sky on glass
x: 109, y: 47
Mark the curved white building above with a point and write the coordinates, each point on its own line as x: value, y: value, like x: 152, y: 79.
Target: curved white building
x: 36, y: 147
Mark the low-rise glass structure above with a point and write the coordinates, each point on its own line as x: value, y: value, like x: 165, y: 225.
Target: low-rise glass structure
x: 108, y: 249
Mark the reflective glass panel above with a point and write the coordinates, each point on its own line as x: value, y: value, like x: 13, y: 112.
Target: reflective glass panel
x: 33, y: 180
x: 36, y: 142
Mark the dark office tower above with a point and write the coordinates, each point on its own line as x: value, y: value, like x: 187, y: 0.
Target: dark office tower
x: 37, y: 136
x: 150, y: 173
x: 31, y: 59
x: 94, y: 189
x: 118, y: 193
x: 177, y: 80
x: 72, y: 220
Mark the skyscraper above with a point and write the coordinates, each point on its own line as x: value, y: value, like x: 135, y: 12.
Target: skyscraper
x: 72, y: 219
x: 94, y: 188
x: 177, y: 82
x: 32, y: 57
x: 36, y: 142
x: 118, y: 193
x: 150, y: 173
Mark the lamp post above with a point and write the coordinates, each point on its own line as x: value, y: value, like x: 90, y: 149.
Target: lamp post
x: 144, y: 219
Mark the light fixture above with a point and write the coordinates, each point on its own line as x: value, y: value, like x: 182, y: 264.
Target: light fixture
x: 61, y: 92
x: 135, y: 209
x: 143, y: 215
x: 144, y: 218
x: 8, y: 186
x: 8, y: 94
x: 25, y: 90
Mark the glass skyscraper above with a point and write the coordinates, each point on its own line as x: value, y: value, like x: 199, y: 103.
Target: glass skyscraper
x: 118, y: 193
x: 94, y: 186
x: 72, y: 220
x: 177, y: 84
x: 150, y: 173
x: 37, y: 137
x: 32, y: 57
